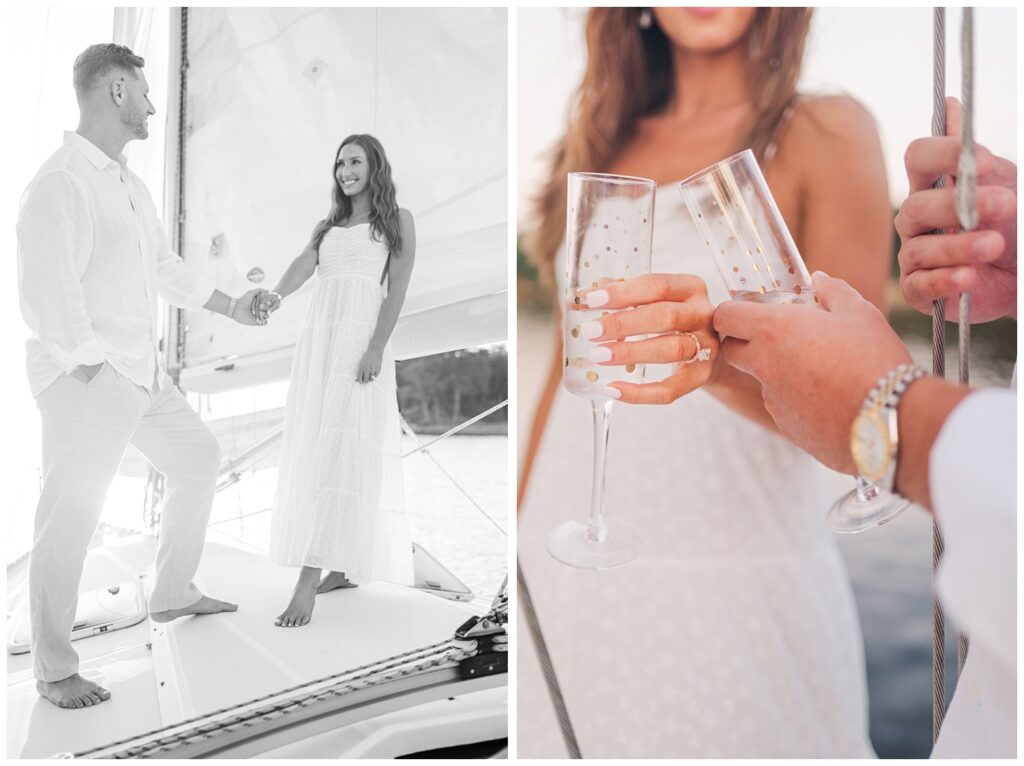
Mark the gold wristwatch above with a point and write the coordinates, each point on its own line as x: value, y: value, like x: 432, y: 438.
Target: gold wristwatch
x: 874, y: 436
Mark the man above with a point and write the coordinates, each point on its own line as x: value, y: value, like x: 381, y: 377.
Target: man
x: 92, y: 258
x: 956, y: 453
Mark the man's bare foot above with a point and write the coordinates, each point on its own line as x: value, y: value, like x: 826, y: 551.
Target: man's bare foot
x: 204, y: 605
x: 335, y: 580
x: 72, y: 692
x: 300, y: 609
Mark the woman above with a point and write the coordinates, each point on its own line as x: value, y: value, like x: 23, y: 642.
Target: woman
x: 734, y: 633
x: 339, y: 498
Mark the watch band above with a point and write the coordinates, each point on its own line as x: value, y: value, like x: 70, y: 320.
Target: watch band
x: 231, y: 307
x: 881, y: 405
x: 890, y: 387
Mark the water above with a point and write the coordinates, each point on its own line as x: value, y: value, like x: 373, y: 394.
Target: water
x: 465, y: 539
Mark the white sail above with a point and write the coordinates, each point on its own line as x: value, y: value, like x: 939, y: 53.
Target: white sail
x: 270, y: 94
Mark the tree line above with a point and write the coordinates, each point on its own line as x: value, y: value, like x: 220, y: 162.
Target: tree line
x: 437, y: 392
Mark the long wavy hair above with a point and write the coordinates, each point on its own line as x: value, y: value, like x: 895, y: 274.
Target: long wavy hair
x: 629, y: 75
x: 384, y: 224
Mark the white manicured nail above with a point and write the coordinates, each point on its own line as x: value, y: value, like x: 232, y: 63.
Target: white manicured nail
x: 596, y: 298
x: 600, y: 353
x: 611, y: 393
x: 591, y: 330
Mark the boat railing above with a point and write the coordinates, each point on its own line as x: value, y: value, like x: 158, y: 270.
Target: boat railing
x: 231, y: 470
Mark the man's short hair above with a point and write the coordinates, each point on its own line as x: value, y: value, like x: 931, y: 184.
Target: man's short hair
x: 97, y: 60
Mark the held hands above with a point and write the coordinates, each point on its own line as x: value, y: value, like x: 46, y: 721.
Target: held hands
x: 242, y: 311
x: 675, y: 306
x: 264, y: 304
x: 255, y: 307
x: 815, y: 367
x: 369, y: 365
x: 984, y: 261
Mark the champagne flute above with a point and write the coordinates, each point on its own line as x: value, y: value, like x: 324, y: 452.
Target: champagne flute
x: 734, y: 211
x: 609, y: 224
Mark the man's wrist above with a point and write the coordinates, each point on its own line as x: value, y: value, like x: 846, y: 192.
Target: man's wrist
x: 922, y: 411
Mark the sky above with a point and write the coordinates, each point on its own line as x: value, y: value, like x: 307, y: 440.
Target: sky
x: 881, y: 56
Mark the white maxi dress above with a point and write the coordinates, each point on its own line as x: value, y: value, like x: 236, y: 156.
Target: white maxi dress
x: 735, y: 633
x: 339, y: 503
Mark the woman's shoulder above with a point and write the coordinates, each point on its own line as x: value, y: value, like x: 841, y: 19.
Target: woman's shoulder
x: 828, y: 121
x: 405, y: 221
x: 825, y: 133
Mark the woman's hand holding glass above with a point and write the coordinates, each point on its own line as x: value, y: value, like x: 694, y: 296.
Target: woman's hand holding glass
x: 672, y: 308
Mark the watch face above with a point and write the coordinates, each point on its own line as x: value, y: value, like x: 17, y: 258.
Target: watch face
x: 869, y: 443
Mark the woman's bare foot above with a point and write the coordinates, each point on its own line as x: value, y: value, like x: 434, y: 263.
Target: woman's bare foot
x: 72, y: 692
x: 204, y: 605
x: 300, y: 609
x: 335, y: 580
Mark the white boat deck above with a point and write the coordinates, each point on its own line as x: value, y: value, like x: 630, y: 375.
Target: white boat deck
x: 160, y: 674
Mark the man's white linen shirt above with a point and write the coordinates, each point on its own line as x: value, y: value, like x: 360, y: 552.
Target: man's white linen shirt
x: 973, y: 482
x: 92, y: 259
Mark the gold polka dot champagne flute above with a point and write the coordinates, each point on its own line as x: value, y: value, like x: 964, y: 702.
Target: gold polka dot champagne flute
x: 737, y: 218
x: 610, y: 220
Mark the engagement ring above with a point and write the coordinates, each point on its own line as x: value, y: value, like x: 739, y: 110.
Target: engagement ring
x: 699, y: 354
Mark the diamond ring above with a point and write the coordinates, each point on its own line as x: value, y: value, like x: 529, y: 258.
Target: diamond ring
x: 700, y: 354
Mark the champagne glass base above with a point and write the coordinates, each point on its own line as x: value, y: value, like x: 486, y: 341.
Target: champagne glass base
x: 572, y: 543
x: 855, y: 512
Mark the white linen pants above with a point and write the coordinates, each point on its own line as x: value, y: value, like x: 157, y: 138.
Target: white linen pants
x: 86, y: 428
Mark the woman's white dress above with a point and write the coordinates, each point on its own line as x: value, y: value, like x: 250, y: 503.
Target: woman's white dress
x: 339, y: 503
x: 735, y: 632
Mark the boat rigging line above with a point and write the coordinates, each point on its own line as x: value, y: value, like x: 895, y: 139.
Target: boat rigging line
x: 423, y: 448
x: 967, y: 213
x: 547, y: 666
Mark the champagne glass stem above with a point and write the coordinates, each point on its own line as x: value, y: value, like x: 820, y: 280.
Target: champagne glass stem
x: 596, y: 530
x: 866, y: 491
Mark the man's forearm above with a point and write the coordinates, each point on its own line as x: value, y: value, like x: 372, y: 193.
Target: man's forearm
x: 219, y: 303
x: 922, y: 412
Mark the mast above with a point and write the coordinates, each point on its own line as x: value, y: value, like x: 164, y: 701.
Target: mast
x: 172, y: 336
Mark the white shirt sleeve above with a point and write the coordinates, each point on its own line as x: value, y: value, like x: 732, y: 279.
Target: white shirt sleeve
x: 54, y: 247
x: 973, y: 472
x: 179, y: 284
x: 973, y: 481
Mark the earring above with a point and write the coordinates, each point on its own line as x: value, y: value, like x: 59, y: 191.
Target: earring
x: 646, y: 20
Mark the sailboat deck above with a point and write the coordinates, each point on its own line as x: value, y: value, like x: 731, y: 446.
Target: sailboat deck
x: 160, y: 674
